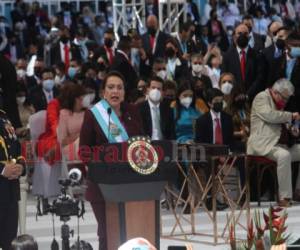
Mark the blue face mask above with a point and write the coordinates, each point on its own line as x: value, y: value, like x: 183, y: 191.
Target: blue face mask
x: 72, y: 72
x: 295, y: 52
x: 48, y: 85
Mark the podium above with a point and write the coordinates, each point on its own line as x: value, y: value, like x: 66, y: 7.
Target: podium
x: 132, y: 199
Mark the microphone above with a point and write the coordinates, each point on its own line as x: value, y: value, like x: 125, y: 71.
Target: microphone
x: 109, y: 113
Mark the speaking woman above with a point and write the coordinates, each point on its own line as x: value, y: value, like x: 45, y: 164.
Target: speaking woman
x: 124, y: 123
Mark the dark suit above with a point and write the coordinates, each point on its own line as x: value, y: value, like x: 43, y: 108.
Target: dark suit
x: 8, y: 84
x: 38, y: 98
x: 160, y: 45
x: 204, y: 129
x: 56, y: 56
x: 92, y: 135
x: 231, y: 63
x: 122, y: 65
x: 258, y: 42
x: 166, y: 119
x: 10, y: 148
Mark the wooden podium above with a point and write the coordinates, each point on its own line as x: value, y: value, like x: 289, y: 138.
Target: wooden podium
x: 132, y: 199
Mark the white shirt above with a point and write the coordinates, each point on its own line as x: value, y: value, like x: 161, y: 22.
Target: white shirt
x: 62, y: 51
x: 240, y: 52
x: 49, y: 95
x: 156, y: 131
x: 215, y: 116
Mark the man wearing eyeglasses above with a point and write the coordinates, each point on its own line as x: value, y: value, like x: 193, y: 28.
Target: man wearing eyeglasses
x: 271, y: 134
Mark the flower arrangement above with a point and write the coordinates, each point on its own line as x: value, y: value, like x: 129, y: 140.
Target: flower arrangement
x: 273, y: 233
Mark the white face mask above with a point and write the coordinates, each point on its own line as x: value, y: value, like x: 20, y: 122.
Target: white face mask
x: 21, y: 73
x: 88, y: 100
x: 48, y: 85
x: 154, y: 95
x: 21, y: 100
x: 186, y: 101
x: 197, y: 68
x: 226, y: 88
x: 162, y: 74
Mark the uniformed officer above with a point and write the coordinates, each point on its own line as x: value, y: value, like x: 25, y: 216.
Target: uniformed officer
x: 12, y: 165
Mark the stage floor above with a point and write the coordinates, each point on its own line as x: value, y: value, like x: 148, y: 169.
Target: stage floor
x: 42, y: 229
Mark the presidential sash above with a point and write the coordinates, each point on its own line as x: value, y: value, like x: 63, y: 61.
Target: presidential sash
x: 116, y: 131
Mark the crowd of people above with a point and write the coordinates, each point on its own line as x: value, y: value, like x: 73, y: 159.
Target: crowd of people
x: 223, y: 78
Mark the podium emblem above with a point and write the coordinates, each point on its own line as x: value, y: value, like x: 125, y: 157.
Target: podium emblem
x: 141, y: 155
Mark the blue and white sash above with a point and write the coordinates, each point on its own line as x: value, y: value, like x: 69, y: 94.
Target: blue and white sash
x: 100, y: 112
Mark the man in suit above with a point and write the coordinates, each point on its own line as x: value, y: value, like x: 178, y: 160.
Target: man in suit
x: 241, y: 61
x: 43, y: 93
x: 269, y: 134
x: 256, y: 41
x: 11, y: 167
x: 154, y: 40
x: 157, y: 116
x: 64, y: 50
x: 122, y: 64
x: 270, y: 60
x: 107, y: 51
x: 214, y: 127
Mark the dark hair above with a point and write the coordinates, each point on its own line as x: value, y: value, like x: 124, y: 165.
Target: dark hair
x: 61, y: 66
x: 110, y: 74
x: 209, y: 60
x: 169, y: 84
x: 184, y: 27
x: 159, y: 60
x: 247, y: 17
x: 48, y: 70
x: 285, y: 28
x: 173, y: 41
x: 212, y: 93
x: 24, y: 242
x: 68, y: 94
x: 156, y: 79
x: 183, y: 86
x: 124, y: 43
x: 109, y: 31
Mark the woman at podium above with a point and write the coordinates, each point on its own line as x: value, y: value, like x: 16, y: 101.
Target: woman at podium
x: 108, y: 121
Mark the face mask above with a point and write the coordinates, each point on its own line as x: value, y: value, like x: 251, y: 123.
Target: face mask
x: 21, y: 100
x: 72, y: 72
x: 242, y: 41
x: 280, y: 44
x: 21, y: 73
x: 197, y: 68
x: 151, y: 31
x: 280, y: 104
x: 48, y: 85
x: 64, y: 39
x: 186, y: 101
x: 154, y: 95
x: 170, y: 52
x: 88, y: 100
x: 226, y: 88
x: 162, y: 74
x: 295, y: 52
x: 218, y: 107
x: 108, y: 42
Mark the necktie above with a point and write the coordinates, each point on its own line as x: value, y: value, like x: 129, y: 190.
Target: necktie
x: 152, y: 41
x: 156, y: 121
x: 110, y: 55
x: 218, y: 132
x: 243, y: 64
x: 67, y: 56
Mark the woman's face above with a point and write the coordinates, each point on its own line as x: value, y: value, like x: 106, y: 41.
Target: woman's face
x: 226, y: 78
x: 215, y: 62
x: 186, y: 93
x: 114, y: 91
